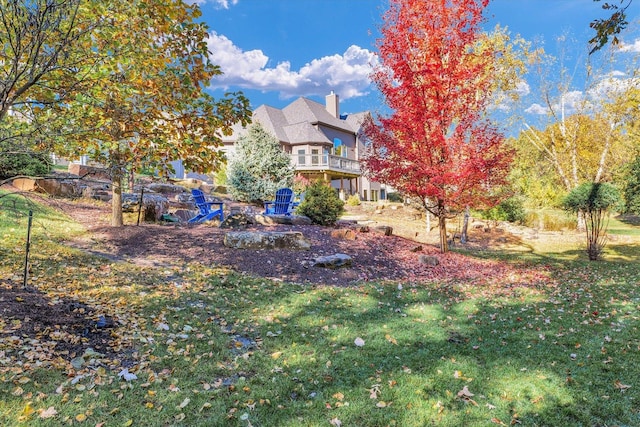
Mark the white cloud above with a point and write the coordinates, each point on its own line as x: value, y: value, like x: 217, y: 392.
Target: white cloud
x: 635, y: 47
x: 522, y: 88
x: 346, y: 74
x: 537, y: 109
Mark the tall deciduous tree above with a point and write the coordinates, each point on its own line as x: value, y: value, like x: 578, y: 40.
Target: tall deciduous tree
x: 147, y: 105
x: 435, y: 73
x: 582, y: 132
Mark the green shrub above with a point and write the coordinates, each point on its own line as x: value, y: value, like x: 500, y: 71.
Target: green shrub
x: 14, y: 163
x: 511, y: 210
x: 593, y: 201
x: 321, y: 204
x: 353, y: 200
x: 258, y: 167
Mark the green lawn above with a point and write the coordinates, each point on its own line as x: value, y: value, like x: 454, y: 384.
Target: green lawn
x: 213, y: 347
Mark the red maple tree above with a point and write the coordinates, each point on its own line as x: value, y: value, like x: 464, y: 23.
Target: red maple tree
x: 437, y: 145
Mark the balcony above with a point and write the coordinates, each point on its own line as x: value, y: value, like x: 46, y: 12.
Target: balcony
x: 335, y: 166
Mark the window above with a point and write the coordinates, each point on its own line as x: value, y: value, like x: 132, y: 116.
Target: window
x: 315, y: 156
x: 338, y: 147
x: 364, y: 193
x: 374, y: 195
x: 301, y: 156
x: 383, y: 194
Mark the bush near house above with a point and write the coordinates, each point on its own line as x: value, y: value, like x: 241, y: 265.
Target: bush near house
x: 321, y: 204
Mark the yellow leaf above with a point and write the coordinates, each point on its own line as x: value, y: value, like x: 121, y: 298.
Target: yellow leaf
x: 185, y: 402
x: 128, y: 423
x: 81, y: 418
x: 27, y: 411
x: 24, y: 380
x: 338, y: 396
x: 276, y: 355
x: 381, y: 404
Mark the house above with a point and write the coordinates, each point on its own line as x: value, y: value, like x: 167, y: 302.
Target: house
x: 322, y: 143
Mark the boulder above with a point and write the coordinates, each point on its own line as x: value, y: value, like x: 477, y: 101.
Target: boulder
x: 237, y: 220
x: 266, y: 240
x: 282, y: 219
x: 25, y: 184
x: 428, y: 260
x: 59, y: 187
x: 93, y: 171
x: 343, y: 234
x: 163, y: 188
x: 153, y: 205
x: 333, y: 261
x: 384, y: 229
x: 184, y: 214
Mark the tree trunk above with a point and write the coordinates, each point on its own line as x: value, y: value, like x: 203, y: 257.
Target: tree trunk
x: 465, y: 226
x: 116, y: 199
x: 428, y: 222
x: 442, y: 225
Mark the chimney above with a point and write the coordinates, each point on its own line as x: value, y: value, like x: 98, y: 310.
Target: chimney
x: 333, y: 105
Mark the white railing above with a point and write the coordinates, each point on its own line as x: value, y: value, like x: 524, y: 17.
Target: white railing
x: 325, y: 161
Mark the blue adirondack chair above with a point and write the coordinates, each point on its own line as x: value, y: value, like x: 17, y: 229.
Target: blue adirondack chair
x: 206, y: 213
x: 282, y: 205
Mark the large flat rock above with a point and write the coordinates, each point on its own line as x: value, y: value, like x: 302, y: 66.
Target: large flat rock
x: 266, y: 240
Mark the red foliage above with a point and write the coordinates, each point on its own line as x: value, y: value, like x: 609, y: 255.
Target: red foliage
x: 437, y: 143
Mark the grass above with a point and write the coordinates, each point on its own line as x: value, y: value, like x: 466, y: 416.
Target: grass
x: 214, y: 348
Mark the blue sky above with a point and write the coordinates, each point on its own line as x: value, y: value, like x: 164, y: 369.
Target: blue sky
x: 278, y: 50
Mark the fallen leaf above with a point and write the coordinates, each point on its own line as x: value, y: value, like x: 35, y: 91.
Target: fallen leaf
x: 359, y: 342
x: 335, y: 422
x: 50, y: 412
x: 126, y: 375
x: 27, y: 411
x: 338, y: 396
x: 464, y: 393
x: 620, y: 386
x: 185, y: 402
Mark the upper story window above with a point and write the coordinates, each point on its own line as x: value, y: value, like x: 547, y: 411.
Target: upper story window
x: 339, y: 149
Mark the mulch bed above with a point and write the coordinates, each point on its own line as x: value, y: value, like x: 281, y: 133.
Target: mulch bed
x: 28, y: 314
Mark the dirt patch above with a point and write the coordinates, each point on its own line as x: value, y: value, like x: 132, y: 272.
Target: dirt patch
x: 50, y: 331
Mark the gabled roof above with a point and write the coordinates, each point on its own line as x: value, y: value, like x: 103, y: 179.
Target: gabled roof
x: 304, y: 132
x: 306, y: 110
x: 296, y: 123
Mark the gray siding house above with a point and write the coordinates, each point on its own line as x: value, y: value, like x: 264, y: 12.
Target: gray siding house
x: 322, y: 143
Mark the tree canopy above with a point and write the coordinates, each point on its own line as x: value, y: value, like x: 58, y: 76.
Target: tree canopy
x: 436, y: 76
x: 610, y: 26
x: 143, y: 68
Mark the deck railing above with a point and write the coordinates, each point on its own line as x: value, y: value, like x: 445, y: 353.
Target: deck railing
x: 310, y: 162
